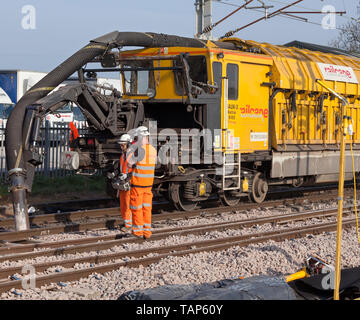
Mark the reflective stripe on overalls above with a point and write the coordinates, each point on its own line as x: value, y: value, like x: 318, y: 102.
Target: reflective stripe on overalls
x: 140, y: 194
x: 124, y: 164
x: 124, y: 196
x: 141, y: 205
x: 143, y: 173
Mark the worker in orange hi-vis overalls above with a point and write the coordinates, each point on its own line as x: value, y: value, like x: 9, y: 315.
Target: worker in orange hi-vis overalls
x: 124, y: 195
x: 74, y: 134
x: 143, y: 162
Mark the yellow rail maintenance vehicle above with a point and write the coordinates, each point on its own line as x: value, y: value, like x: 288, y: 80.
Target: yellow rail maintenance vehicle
x: 230, y: 118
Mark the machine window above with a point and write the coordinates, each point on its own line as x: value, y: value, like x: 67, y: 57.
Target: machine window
x: 197, y: 72
x: 138, y: 82
x: 217, y: 74
x: 232, y: 73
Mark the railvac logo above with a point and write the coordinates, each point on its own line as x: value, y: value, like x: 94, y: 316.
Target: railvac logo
x: 254, y: 112
x: 337, y: 73
x: 329, y: 20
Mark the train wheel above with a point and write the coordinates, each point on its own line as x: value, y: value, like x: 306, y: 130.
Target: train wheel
x: 176, y: 191
x: 259, y: 188
x: 229, y: 200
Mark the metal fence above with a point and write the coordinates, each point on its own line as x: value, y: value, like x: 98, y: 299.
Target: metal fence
x: 54, y: 141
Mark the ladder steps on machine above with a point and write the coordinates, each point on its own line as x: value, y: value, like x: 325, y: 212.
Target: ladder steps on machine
x: 236, y: 166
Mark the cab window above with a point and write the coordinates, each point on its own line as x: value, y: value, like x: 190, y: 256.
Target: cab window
x: 217, y: 74
x: 232, y: 73
x: 138, y: 79
x: 197, y: 72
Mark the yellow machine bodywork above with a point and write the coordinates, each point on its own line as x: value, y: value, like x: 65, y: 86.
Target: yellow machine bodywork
x: 298, y: 69
x: 248, y: 123
x: 246, y: 117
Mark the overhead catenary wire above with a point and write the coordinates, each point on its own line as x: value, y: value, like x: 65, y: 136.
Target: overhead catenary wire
x: 289, y: 16
x: 212, y: 26
x: 282, y: 2
x: 231, y: 33
x: 314, y: 12
x: 312, y: 9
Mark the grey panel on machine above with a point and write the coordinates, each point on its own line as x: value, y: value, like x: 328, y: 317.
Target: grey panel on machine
x: 252, y: 288
x: 293, y: 164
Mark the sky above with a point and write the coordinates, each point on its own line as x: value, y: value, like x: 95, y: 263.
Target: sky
x: 41, y: 37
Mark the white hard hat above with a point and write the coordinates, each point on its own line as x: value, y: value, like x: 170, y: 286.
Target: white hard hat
x: 125, y: 138
x: 142, y: 131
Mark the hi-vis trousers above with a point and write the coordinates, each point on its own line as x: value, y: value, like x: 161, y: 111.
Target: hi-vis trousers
x: 124, y: 197
x: 141, y: 205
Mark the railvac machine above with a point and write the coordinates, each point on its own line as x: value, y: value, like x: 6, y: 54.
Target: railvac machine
x: 24, y: 122
x: 268, y: 116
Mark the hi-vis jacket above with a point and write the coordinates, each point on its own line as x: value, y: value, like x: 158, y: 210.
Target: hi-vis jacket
x: 124, y: 167
x: 144, y: 168
x: 74, y: 134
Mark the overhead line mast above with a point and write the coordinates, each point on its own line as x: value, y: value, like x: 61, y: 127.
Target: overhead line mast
x: 203, y: 18
x: 210, y: 26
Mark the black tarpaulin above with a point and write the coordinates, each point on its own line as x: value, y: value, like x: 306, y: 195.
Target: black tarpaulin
x: 321, y: 287
x: 252, y: 288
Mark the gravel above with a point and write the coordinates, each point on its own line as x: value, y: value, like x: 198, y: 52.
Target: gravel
x: 270, y: 258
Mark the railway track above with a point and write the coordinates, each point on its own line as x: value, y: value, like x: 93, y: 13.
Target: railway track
x: 17, y: 248
x: 138, y: 257
x: 107, y: 241
x: 65, y: 206
x: 61, y: 206
x: 84, y: 220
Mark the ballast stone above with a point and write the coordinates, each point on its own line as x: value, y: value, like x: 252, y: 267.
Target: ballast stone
x: 83, y: 292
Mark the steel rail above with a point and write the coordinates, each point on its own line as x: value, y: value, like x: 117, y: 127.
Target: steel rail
x: 164, y: 252
x: 71, y: 217
x: 111, y: 223
x: 100, y: 243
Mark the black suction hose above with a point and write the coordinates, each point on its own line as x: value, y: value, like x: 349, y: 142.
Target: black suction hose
x: 13, y: 134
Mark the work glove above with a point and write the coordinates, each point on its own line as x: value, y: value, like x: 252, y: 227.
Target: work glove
x: 126, y: 186
x: 123, y: 176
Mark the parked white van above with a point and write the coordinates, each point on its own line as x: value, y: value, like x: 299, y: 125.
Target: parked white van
x: 6, y: 106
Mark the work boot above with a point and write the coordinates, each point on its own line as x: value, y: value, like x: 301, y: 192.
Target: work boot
x: 146, y: 238
x: 125, y: 229
x: 135, y: 236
